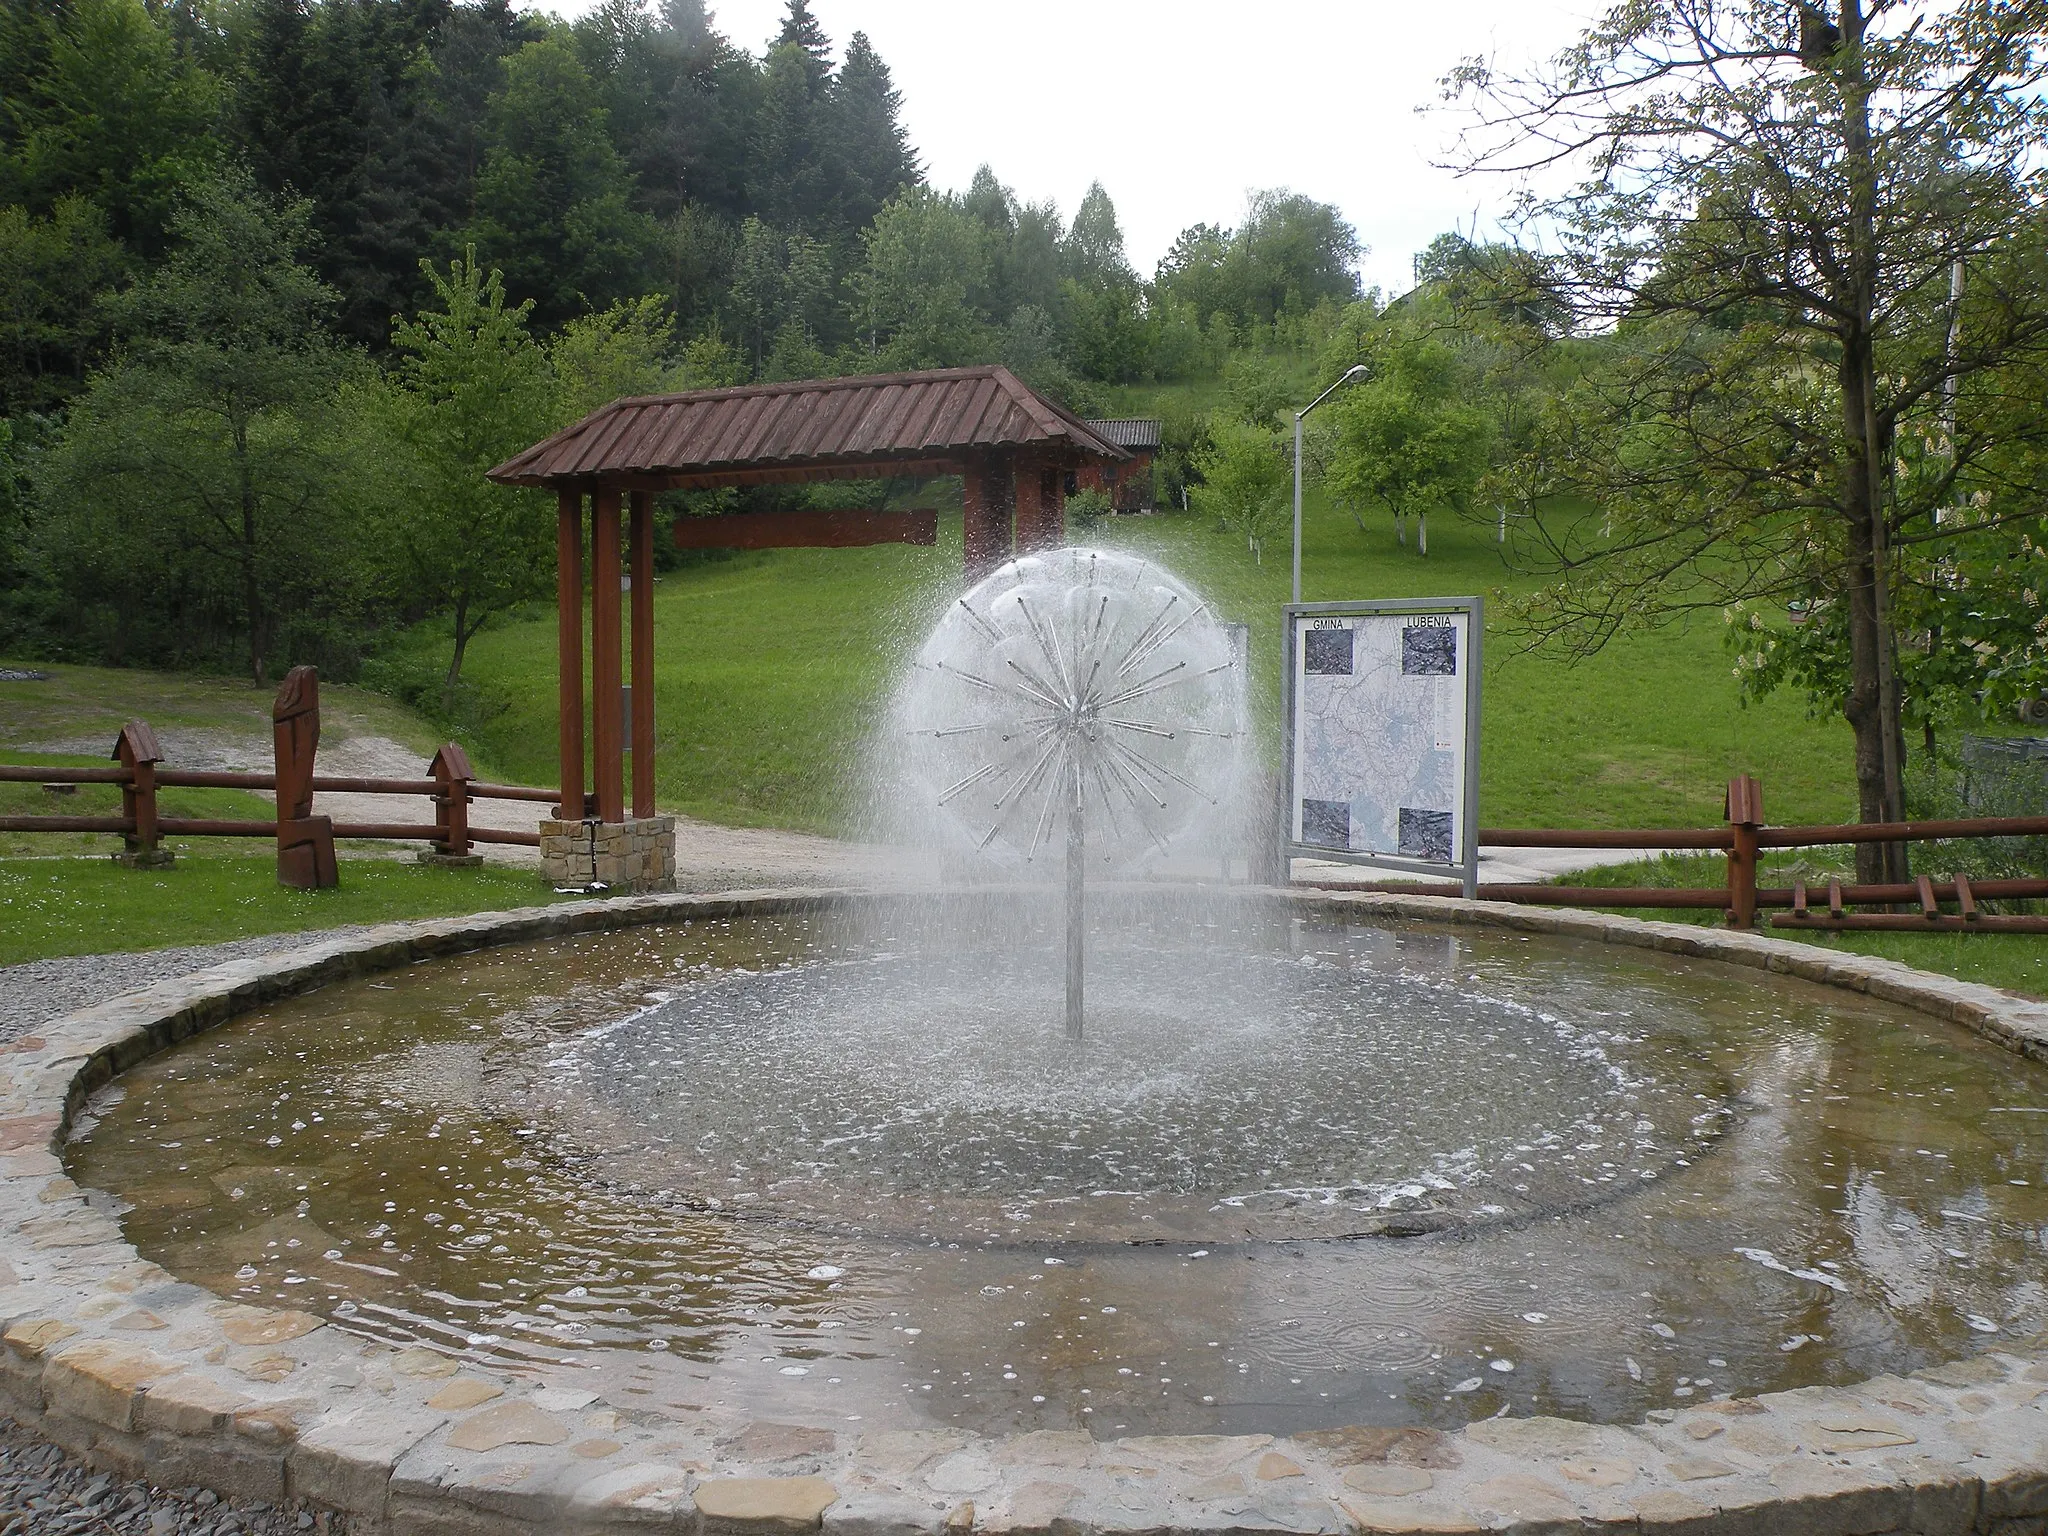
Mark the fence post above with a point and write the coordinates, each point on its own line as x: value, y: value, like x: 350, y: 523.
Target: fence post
x: 136, y: 749
x: 1745, y: 815
x: 305, y: 842
x: 451, y: 811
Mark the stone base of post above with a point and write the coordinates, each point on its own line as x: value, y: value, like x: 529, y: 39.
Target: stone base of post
x: 145, y: 858
x: 629, y: 857
x: 451, y: 860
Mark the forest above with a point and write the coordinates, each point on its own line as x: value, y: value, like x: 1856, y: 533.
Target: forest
x: 284, y: 277
x: 279, y: 279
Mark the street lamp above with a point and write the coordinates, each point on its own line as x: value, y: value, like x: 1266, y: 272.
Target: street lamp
x: 1351, y: 375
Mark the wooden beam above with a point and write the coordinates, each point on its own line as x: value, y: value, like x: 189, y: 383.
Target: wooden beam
x: 569, y: 649
x: 643, y: 653
x: 607, y: 734
x: 806, y: 530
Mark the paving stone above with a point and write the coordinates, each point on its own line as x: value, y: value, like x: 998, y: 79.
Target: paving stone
x: 763, y: 1443
x: 1520, y: 1496
x: 764, y: 1503
x: 258, y: 1326
x: 465, y: 1392
x: 900, y: 1452
x: 1390, y: 1517
x: 423, y: 1362
x: 514, y: 1423
x: 190, y: 1404
x: 346, y: 1460
x: 102, y: 1381
x: 1273, y: 1466
x: 1047, y: 1448
x: 1377, y: 1442
x: 646, y: 1490
x: 1034, y: 1506
x: 1385, y: 1481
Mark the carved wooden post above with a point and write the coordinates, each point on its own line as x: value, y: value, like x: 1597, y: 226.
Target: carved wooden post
x: 451, y: 769
x: 1745, y: 815
x: 305, y: 842
x: 137, y: 750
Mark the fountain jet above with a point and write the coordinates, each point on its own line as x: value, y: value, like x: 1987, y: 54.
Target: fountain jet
x: 1081, y: 695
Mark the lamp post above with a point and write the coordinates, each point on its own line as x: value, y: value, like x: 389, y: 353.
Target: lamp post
x: 1355, y: 372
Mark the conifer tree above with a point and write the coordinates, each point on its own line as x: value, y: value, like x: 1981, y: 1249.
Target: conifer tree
x: 875, y: 161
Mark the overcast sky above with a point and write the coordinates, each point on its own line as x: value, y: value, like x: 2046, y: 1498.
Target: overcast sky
x: 1180, y: 107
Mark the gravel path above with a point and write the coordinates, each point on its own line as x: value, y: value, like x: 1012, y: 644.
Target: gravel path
x: 40, y: 990
x: 44, y: 1492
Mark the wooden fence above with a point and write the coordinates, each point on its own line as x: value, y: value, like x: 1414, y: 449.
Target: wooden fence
x: 1741, y: 899
x: 305, y: 841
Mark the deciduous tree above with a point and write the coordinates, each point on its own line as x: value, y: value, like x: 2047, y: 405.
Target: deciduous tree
x: 1768, y: 202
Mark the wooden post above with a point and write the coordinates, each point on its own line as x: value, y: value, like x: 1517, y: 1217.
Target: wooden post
x: 569, y: 648
x: 1041, y: 508
x: 305, y: 842
x: 137, y: 750
x: 607, y: 737
x: 451, y: 806
x: 986, y: 495
x: 1745, y: 815
x: 643, y: 653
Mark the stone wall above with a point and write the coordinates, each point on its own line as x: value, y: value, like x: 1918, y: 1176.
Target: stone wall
x: 637, y: 857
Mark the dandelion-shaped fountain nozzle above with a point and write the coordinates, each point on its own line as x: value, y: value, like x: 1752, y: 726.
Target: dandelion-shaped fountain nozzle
x: 1080, y: 700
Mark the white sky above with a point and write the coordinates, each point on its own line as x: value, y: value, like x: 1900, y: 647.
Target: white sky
x: 1180, y: 107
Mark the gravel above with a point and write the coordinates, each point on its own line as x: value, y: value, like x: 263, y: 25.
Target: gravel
x: 37, y: 991
x: 44, y: 1492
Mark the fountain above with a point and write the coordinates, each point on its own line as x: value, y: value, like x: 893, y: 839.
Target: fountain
x: 814, y: 1186
x: 1066, y: 678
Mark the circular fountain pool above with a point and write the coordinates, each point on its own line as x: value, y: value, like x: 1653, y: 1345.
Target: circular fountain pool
x: 1306, y: 1171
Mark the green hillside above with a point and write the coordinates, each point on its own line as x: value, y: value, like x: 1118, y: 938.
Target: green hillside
x: 769, y: 668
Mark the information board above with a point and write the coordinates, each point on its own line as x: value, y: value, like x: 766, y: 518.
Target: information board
x: 1383, y: 734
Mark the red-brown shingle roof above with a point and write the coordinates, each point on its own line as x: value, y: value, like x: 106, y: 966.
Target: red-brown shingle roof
x: 815, y: 427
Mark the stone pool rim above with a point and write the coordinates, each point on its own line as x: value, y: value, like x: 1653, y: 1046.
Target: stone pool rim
x: 116, y: 1360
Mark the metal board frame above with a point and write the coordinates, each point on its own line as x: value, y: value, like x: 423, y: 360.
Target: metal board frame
x: 1475, y: 611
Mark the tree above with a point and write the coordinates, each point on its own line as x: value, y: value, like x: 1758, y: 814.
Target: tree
x: 553, y: 202
x: 800, y: 30
x: 1773, y: 203
x: 872, y: 147
x: 472, y: 389
x: 919, y: 294
x: 114, y: 112
x: 598, y: 358
x: 1405, y: 440
x: 53, y: 273
x: 1244, y: 481
x: 200, y: 458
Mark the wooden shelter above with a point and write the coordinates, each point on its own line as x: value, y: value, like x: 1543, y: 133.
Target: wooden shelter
x: 1011, y: 447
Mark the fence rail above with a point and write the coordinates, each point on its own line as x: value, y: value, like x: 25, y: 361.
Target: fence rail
x: 1741, y: 899
x: 305, y: 841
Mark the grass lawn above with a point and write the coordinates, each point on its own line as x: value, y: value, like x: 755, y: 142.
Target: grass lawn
x: 85, y: 906
x: 770, y: 668
x: 105, y: 800
x: 2017, y: 961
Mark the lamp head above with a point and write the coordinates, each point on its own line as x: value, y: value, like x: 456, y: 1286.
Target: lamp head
x: 1356, y: 371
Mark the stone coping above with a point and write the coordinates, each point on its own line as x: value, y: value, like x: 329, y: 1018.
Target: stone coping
x: 118, y: 1361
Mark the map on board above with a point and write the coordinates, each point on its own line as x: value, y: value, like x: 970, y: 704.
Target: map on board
x: 1380, y: 733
